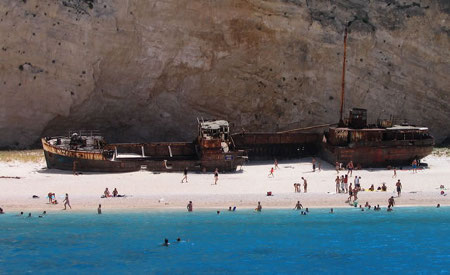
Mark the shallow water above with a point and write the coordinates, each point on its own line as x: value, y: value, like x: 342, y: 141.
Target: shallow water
x: 408, y: 240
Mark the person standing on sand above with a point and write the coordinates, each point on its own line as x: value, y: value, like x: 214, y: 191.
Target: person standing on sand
x: 338, y: 181
x: 259, y: 207
x: 391, y: 202
x: 189, y: 207
x: 305, y: 185
x: 313, y: 161
x: 275, y: 163
x: 346, y: 184
x: 350, y: 167
x: 298, y: 206
x: 49, y: 195
x: 399, y: 188
x: 395, y: 172
x: 414, y: 166
x: 271, y: 173
x: 342, y: 184
x: 355, y: 194
x: 99, y: 209
x: 337, y: 167
x: 350, y: 192
x: 320, y: 166
x: 216, y: 176
x: 185, y: 175
x: 66, y: 202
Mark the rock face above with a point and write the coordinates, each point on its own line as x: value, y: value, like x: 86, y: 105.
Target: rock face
x: 145, y: 70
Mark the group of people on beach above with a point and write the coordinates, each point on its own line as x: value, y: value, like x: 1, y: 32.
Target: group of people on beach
x: 107, y: 194
x: 185, y: 176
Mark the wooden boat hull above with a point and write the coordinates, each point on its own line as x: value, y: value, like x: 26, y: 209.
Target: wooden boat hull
x: 380, y: 156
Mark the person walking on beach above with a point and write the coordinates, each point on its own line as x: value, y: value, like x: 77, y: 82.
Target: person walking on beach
x: 216, y: 176
x: 66, y: 202
x: 259, y: 207
x: 305, y: 185
x: 350, y: 192
x: 298, y: 206
x: 275, y: 163
x: 342, y: 184
x: 189, y: 206
x: 271, y: 173
x: 338, y: 181
x: 399, y: 188
x: 346, y: 184
x: 313, y: 161
x: 99, y: 209
x: 414, y: 166
x: 350, y: 167
x: 395, y: 172
x: 355, y: 194
x: 185, y: 175
x: 337, y: 167
x: 319, y: 165
x: 391, y: 202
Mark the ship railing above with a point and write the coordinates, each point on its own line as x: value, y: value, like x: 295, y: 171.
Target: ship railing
x: 87, y: 133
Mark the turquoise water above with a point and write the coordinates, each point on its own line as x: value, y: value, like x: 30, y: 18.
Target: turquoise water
x: 408, y: 240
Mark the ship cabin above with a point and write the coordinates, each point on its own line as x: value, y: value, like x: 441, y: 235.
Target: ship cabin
x: 214, y: 135
x: 357, y: 132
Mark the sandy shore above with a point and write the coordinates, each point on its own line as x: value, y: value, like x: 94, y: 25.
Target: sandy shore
x: 147, y: 190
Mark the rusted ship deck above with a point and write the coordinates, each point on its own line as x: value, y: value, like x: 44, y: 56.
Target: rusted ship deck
x: 89, y: 153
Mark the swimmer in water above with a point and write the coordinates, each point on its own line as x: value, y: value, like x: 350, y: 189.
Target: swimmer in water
x: 29, y: 215
x: 331, y: 211
x: 99, y: 209
x: 438, y: 205
x: 259, y: 207
x: 178, y: 239
x: 166, y: 242
x: 298, y: 206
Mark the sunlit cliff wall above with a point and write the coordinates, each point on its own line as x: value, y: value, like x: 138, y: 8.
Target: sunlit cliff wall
x: 145, y: 70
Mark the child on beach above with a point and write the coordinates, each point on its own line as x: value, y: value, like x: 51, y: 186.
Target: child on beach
x: 271, y: 173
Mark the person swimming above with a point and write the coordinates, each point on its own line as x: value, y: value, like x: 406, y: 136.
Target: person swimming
x: 166, y: 242
x: 438, y: 205
x: 331, y: 211
x: 259, y: 207
x: 229, y: 208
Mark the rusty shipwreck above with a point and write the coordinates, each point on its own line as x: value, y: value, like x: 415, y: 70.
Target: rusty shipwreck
x: 376, y: 145
x: 88, y: 152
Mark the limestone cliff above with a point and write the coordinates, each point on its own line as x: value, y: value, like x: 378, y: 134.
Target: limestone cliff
x: 144, y: 70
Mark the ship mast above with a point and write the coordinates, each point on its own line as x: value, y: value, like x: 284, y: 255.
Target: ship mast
x: 341, y: 121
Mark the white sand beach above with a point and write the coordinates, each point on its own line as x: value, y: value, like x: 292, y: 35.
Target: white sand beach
x: 243, y: 189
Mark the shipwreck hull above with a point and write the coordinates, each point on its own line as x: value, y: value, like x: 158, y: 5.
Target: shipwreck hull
x: 375, y: 156
x: 267, y: 146
x: 158, y: 157
x: 63, y: 162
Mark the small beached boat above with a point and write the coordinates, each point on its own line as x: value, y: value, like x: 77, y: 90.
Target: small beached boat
x: 87, y: 151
